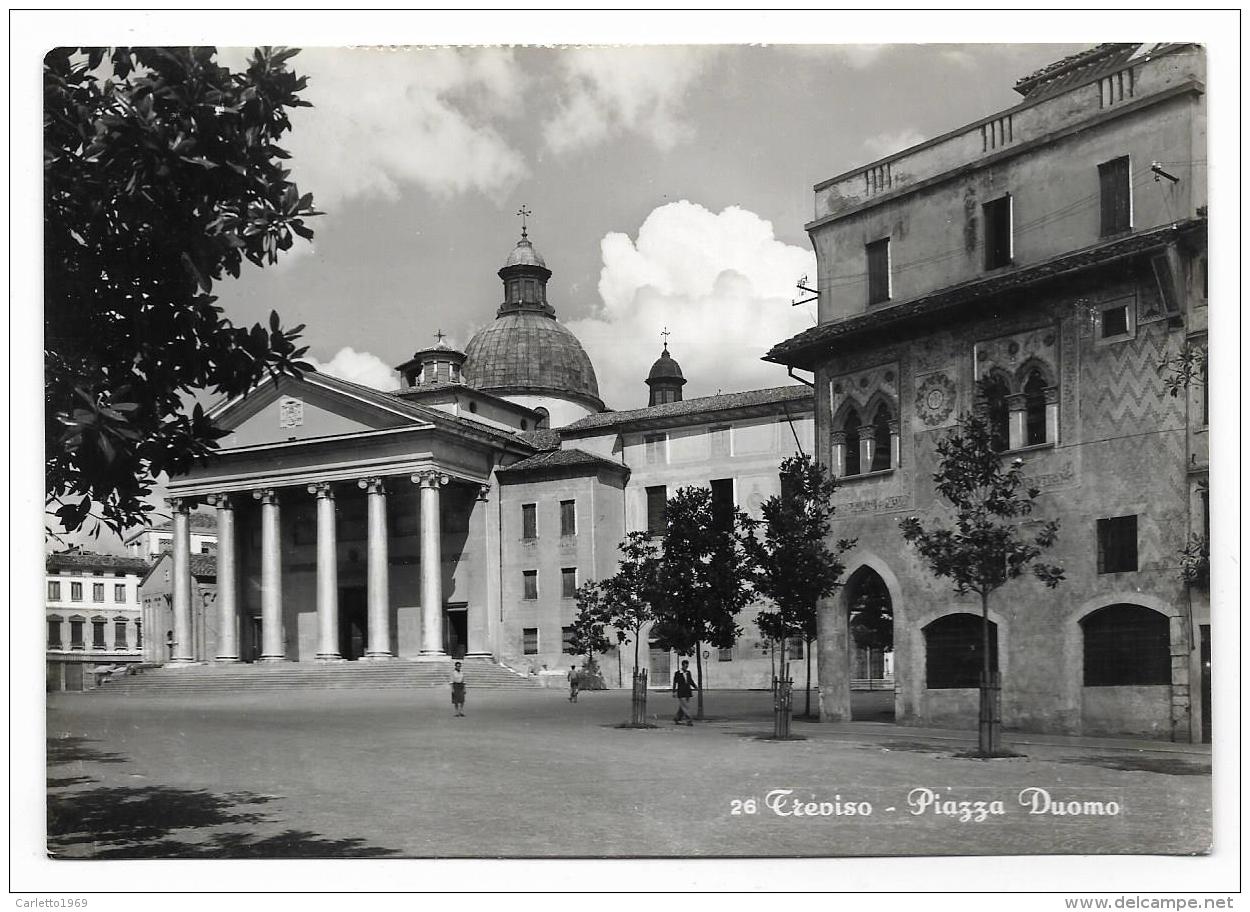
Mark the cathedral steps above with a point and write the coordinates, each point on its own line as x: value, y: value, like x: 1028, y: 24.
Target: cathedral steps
x: 236, y: 678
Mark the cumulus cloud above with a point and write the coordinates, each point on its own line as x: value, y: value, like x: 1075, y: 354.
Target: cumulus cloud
x: 887, y: 143
x: 359, y: 367
x: 721, y: 282
x: 385, y: 118
x: 610, y: 91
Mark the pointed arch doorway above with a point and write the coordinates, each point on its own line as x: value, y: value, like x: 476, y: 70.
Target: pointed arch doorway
x: 871, y: 643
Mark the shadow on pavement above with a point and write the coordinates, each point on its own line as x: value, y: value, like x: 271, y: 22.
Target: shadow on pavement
x: 137, y: 823
x: 124, y: 816
x: 1169, y: 766
x: 288, y: 844
x: 75, y: 749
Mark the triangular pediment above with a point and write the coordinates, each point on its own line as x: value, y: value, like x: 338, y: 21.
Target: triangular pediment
x: 313, y: 407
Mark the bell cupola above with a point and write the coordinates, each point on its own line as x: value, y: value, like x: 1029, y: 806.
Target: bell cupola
x: 665, y: 378
x: 440, y: 363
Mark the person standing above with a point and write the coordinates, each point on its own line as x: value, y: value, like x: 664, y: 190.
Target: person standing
x: 575, y: 683
x: 457, y: 689
x: 683, y: 689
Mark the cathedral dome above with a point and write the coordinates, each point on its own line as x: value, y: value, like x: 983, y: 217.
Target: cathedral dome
x: 526, y: 352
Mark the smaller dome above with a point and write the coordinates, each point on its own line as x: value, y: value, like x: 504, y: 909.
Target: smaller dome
x: 665, y: 368
x: 524, y: 254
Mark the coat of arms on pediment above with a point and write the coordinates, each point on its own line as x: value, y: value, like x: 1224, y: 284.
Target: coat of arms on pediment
x: 290, y: 412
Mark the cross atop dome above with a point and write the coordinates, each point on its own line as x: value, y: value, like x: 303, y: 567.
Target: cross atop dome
x: 525, y: 212
x: 665, y: 333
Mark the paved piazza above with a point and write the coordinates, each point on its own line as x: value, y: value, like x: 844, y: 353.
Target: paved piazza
x: 393, y: 773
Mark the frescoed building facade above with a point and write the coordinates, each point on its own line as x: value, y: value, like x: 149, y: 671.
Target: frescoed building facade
x: 1057, y: 252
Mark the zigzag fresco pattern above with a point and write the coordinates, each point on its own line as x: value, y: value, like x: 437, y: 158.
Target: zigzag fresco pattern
x: 1123, y: 391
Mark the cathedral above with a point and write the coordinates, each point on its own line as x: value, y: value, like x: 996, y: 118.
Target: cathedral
x: 456, y: 515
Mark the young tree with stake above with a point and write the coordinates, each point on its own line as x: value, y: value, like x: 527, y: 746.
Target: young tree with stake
x: 703, y: 577
x: 794, y: 567
x: 985, y: 547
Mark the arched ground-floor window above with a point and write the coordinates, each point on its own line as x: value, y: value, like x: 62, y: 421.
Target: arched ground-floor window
x: 1126, y: 645
x: 953, y: 651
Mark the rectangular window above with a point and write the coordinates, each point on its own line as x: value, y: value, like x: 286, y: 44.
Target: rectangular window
x: 529, y: 521
x: 997, y: 218
x: 721, y: 442
x: 568, y: 517
x: 97, y: 592
x: 119, y: 593
x: 75, y: 592
x: 1115, y: 322
x: 566, y: 640
x: 1116, y: 195
x: 878, y: 271
x: 138, y: 634
x: 119, y: 634
x: 54, y: 633
x: 794, y: 647
x: 1117, y: 544
x: 97, y: 634
x: 657, y: 509
x: 723, y: 502
x: 656, y: 448
x: 529, y: 584
x: 725, y: 655
x: 529, y: 640
x: 568, y: 582
x: 54, y: 591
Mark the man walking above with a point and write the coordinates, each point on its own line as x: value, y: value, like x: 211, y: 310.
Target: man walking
x: 457, y: 690
x: 683, y: 689
x: 575, y: 683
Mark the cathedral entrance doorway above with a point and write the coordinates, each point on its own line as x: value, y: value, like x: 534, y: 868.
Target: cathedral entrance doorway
x: 871, y: 625
x: 660, y: 671
x: 456, y: 630
x: 353, y: 622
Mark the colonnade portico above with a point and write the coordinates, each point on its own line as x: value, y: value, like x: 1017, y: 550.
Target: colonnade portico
x: 380, y: 635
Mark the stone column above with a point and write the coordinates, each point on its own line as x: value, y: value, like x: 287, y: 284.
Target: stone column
x: 833, y: 644
x: 431, y: 564
x: 327, y: 574
x: 838, y: 456
x: 1016, y: 422
x: 867, y: 446
x: 184, y: 650
x: 479, y: 605
x: 272, y: 647
x: 227, y: 581
x: 1052, y: 414
x: 379, y: 646
x: 896, y: 445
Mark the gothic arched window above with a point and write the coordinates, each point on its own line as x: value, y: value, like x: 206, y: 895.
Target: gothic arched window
x: 994, y: 392
x: 1034, y: 409
x: 882, y: 448
x: 851, y: 428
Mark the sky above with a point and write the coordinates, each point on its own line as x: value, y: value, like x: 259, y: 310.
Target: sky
x: 669, y: 187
